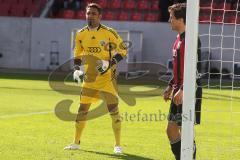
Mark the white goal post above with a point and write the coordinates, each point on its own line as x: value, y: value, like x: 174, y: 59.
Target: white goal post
x: 218, y: 29
x: 189, y: 84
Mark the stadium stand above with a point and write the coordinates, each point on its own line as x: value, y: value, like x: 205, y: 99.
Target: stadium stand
x: 123, y: 16
x: 109, y: 15
x: 80, y: 14
x: 220, y: 11
x: 121, y: 10
x: 155, y: 5
x: 143, y: 5
x: 115, y: 4
x: 129, y: 4
x: 151, y: 17
x: 21, y: 8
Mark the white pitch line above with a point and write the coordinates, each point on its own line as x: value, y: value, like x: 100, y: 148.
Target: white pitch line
x: 24, y: 114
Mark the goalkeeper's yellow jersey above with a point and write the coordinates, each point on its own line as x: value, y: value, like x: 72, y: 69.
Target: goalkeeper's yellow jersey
x: 93, y: 45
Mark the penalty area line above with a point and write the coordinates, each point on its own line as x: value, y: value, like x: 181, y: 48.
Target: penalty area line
x: 24, y: 114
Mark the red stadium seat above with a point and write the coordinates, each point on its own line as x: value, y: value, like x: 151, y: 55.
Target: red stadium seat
x: 115, y: 4
x: 238, y: 19
x: 42, y: 2
x: 216, y: 5
x: 227, y: 6
x: 221, y: 5
x: 217, y: 16
x: 88, y: 1
x: 136, y: 16
x: 80, y: 14
x: 29, y: 2
x: 17, y: 10
x: 22, y: 1
x: 155, y: 5
x: 109, y: 15
x: 4, y: 9
x: 129, y: 4
x: 151, y: 17
x: 11, y: 1
x: 204, y: 15
x: 204, y: 18
x: 235, y: 5
x: 143, y: 5
x: 31, y: 9
x: 103, y: 3
x: 230, y: 17
x: 68, y: 14
x: 21, y: 7
x: 123, y: 16
x: 205, y: 3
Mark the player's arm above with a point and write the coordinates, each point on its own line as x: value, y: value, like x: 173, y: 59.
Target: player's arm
x: 117, y: 48
x: 77, y: 74
x: 120, y: 51
x: 167, y: 93
x: 78, y: 49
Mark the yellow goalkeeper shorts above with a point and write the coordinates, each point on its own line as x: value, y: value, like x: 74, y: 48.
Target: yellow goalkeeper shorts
x: 93, y: 92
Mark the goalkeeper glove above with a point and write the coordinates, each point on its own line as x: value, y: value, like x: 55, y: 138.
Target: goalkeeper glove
x: 103, y: 66
x: 77, y: 74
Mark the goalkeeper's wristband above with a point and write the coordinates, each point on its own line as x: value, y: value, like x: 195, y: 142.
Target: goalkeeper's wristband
x: 116, y: 58
x: 76, y: 67
x: 77, y: 62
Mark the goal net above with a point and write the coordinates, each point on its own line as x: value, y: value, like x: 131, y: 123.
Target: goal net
x: 218, y: 136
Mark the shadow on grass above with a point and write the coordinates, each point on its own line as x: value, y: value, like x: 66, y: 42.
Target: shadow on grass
x: 125, y: 156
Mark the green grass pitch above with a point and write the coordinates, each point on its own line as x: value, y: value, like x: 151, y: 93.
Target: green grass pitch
x: 30, y: 130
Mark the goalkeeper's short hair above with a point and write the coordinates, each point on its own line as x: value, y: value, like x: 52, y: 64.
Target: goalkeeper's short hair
x: 95, y: 5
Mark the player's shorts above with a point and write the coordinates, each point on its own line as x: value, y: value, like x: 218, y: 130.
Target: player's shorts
x: 107, y: 92
x: 175, y: 112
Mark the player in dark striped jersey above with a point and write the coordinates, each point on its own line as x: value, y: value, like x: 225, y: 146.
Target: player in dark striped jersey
x: 175, y: 87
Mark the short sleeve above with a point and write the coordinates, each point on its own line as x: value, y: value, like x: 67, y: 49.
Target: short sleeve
x: 78, y: 49
x: 120, y: 46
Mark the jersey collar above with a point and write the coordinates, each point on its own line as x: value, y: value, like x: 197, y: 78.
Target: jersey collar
x: 95, y: 29
x: 182, y: 35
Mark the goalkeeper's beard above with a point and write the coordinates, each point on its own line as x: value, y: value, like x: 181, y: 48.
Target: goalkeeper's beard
x: 91, y: 24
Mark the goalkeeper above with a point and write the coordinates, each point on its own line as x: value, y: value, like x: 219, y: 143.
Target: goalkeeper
x: 98, y: 48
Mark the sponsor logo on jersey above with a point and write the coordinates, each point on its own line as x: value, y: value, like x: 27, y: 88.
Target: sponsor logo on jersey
x: 94, y: 49
x: 102, y: 43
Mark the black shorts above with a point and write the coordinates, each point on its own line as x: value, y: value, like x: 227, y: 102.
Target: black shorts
x: 175, y: 112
